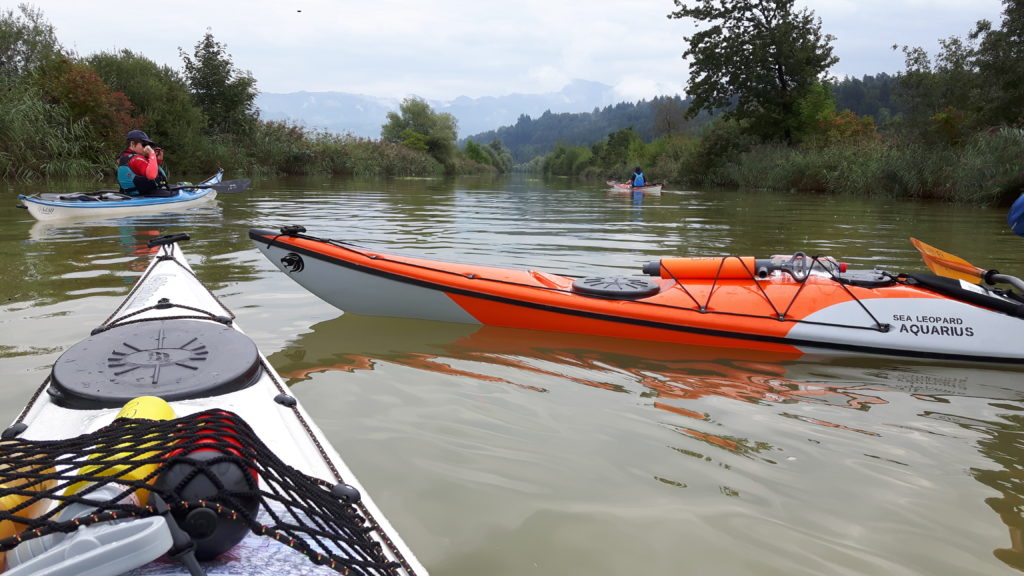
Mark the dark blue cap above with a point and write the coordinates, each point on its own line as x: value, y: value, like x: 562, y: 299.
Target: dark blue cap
x: 139, y: 136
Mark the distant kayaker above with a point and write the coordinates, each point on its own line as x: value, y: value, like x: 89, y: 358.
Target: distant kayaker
x: 139, y: 170
x: 637, y: 179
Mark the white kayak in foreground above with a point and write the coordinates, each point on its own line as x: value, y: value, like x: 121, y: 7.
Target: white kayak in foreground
x: 171, y: 338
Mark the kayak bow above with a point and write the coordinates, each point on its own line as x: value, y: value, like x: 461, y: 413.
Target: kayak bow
x: 170, y: 420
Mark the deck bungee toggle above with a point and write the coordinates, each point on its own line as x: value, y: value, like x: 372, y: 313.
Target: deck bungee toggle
x: 794, y: 304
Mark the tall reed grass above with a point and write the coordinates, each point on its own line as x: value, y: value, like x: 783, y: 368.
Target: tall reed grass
x: 986, y: 170
x: 39, y: 140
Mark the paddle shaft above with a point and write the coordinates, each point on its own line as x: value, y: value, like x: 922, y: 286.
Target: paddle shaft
x: 225, y: 187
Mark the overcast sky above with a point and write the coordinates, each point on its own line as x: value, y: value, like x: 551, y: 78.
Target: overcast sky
x: 441, y: 49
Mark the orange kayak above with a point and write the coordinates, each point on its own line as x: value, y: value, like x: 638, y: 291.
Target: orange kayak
x: 791, y: 305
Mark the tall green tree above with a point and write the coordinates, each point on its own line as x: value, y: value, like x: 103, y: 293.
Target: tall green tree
x: 1000, y: 63
x: 26, y: 41
x: 417, y: 126
x: 162, y: 99
x: 757, y: 58
x: 669, y: 115
x: 225, y: 94
x: 940, y: 96
x: 620, y: 153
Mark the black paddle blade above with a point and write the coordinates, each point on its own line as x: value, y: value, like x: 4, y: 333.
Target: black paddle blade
x: 225, y: 187
x: 230, y: 186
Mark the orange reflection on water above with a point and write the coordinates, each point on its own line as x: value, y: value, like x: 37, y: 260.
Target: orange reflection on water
x: 667, y: 371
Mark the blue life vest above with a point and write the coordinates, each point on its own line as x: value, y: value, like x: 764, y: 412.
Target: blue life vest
x: 1015, y: 217
x: 638, y: 179
x: 133, y: 184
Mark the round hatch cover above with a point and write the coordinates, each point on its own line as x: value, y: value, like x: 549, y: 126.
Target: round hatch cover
x: 616, y: 286
x: 173, y: 359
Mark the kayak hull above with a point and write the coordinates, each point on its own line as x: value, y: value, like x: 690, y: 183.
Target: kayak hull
x: 775, y: 314
x: 265, y: 403
x: 627, y: 187
x: 46, y: 207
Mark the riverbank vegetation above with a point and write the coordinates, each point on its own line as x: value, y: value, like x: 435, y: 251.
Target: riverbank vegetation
x: 761, y: 113
x: 64, y: 115
x: 761, y: 75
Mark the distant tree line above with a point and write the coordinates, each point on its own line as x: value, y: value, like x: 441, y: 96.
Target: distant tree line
x: 530, y: 138
x: 763, y: 114
x: 65, y: 115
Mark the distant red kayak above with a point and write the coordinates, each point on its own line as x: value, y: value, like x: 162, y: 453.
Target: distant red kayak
x: 627, y: 187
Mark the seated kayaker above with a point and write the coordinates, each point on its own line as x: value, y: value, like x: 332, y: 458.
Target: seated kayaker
x: 139, y: 167
x: 637, y: 180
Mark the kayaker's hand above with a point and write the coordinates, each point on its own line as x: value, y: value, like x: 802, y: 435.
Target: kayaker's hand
x: 148, y: 150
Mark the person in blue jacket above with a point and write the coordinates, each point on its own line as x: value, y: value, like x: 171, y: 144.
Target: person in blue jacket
x: 1015, y: 217
x: 637, y: 179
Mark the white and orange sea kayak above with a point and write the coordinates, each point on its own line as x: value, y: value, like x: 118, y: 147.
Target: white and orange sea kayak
x: 794, y: 305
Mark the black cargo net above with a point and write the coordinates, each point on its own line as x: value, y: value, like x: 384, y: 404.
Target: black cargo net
x: 208, y: 474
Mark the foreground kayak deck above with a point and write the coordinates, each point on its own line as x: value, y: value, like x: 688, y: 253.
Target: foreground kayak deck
x: 172, y: 338
x: 722, y: 302
x: 48, y: 206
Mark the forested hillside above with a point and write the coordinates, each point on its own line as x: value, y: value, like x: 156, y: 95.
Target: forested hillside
x: 874, y: 96
x: 530, y: 137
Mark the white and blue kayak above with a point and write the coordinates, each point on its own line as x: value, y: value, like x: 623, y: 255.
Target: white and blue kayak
x: 108, y: 203
x: 165, y: 443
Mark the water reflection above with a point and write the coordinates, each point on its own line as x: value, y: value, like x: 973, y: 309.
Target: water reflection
x: 635, y: 456
x: 667, y: 371
x: 70, y: 258
x: 1002, y: 443
x: 671, y: 375
x: 687, y: 383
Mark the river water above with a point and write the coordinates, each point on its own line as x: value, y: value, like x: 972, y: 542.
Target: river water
x: 510, y: 452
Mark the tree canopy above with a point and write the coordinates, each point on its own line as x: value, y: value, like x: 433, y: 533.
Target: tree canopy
x: 417, y: 126
x: 163, y: 103
x: 225, y: 94
x: 26, y: 41
x: 756, y: 58
x: 1000, y: 64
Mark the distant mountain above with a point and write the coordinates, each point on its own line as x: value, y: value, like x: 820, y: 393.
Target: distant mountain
x: 336, y: 112
x: 361, y: 115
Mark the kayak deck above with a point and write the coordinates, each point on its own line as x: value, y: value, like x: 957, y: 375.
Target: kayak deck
x: 152, y: 341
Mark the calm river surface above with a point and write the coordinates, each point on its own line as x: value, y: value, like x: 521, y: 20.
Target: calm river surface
x: 504, y: 452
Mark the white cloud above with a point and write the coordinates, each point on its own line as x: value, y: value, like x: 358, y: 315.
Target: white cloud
x: 446, y: 48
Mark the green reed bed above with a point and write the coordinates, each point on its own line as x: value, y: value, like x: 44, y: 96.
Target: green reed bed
x: 988, y: 169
